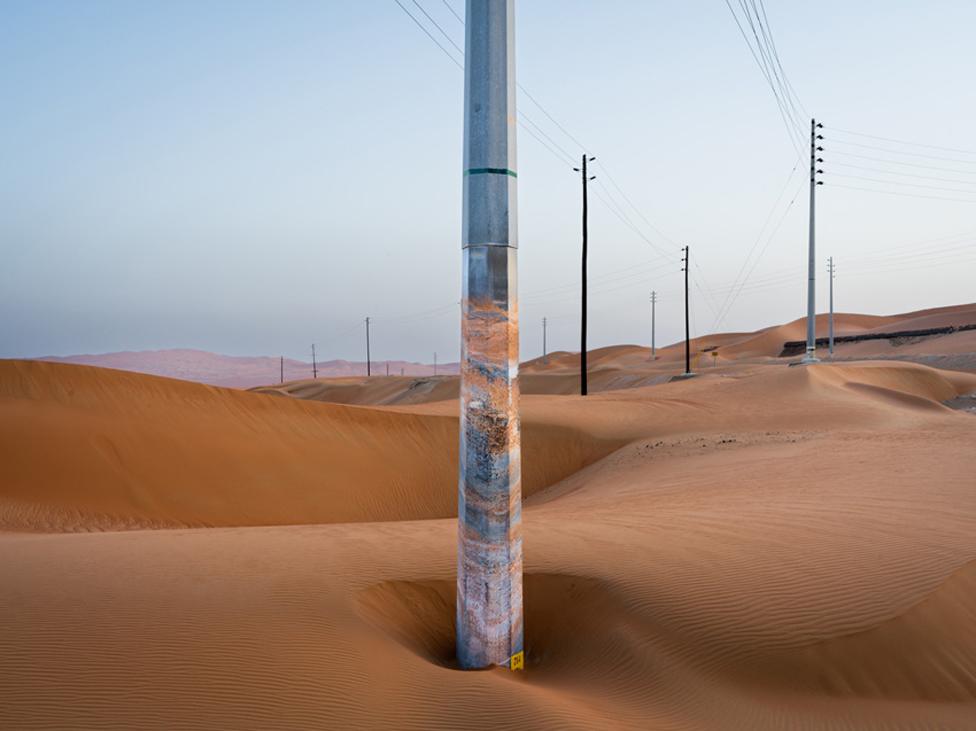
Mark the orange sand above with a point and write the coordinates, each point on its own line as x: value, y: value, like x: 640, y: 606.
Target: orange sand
x: 760, y: 547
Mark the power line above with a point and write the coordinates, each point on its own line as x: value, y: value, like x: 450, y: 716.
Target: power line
x: 790, y: 128
x: 903, y: 163
x: 901, y: 152
x: 725, y: 304
x: 430, y: 35
x: 905, y: 175
x: 772, y: 41
x: 904, y: 142
x: 613, y: 182
x: 437, y: 25
x: 766, y: 54
x: 762, y: 251
x: 453, y: 11
x: 897, y: 182
x: 904, y: 195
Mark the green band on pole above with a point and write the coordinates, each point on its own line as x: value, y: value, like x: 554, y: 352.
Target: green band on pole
x: 491, y: 171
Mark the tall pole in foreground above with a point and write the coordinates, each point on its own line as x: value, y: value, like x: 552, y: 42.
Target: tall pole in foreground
x: 582, y: 171
x: 811, y: 355
x: 489, y: 577
x: 368, y: 369
x: 830, y: 336
x: 653, y: 317
x: 685, y: 268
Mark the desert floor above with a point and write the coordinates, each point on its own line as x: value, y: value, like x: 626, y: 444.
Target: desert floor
x: 759, y: 547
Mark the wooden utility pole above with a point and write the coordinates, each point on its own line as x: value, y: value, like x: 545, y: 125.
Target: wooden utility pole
x: 685, y: 268
x: 315, y: 369
x: 586, y: 179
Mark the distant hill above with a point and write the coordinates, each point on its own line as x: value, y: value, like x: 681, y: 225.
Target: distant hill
x: 239, y: 371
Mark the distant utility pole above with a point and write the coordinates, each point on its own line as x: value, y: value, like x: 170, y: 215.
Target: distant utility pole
x: 545, y: 354
x: 586, y: 179
x: 435, y: 362
x: 653, y: 317
x: 685, y: 268
x: 488, y: 617
x: 811, y: 356
x: 315, y: 369
x: 282, y: 366
x: 387, y: 367
x: 830, y: 273
x: 368, y: 370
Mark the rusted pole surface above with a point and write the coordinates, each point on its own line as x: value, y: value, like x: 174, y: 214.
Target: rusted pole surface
x: 489, y: 579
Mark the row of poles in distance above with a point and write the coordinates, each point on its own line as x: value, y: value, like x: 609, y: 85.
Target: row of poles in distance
x: 815, y: 149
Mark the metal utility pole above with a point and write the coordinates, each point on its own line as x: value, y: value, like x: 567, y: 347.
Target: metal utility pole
x: 545, y: 353
x: 811, y: 355
x: 368, y: 369
x: 387, y: 367
x: 653, y: 317
x: 489, y: 574
x: 282, y: 366
x: 586, y: 179
x: 685, y: 268
x: 830, y: 322
x: 315, y: 369
x: 435, y: 362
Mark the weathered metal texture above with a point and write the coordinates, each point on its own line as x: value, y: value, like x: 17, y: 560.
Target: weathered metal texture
x: 489, y: 581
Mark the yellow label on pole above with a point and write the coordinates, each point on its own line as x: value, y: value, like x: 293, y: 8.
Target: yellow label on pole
x: 517, y: 662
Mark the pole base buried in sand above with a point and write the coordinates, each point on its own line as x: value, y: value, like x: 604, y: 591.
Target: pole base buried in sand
x: 489, y: 581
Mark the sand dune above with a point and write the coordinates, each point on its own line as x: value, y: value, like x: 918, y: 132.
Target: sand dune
x: 760, y: 547
x: 86, y: 448
x: 237, y: 371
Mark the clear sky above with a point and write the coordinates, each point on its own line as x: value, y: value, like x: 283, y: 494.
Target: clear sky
x: 252, y: 177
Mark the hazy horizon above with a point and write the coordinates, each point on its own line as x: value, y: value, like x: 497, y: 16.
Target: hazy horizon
x: 248, y: 179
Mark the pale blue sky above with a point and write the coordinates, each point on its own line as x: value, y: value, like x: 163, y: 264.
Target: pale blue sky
x: 250, y: 178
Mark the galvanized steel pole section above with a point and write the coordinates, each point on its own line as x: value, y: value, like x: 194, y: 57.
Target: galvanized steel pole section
x: 830, y: 331
x: 545, y: 352
x: 811, y: 354
x: 653, y: 317
x: 489, y: 580
x: 369, y: 370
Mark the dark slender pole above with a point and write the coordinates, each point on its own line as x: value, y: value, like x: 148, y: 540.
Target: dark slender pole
x: 282, y: 365
x: 368, y: 371
x: 687, y: 327
x: 583, y: 389
x: 315, y: 370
